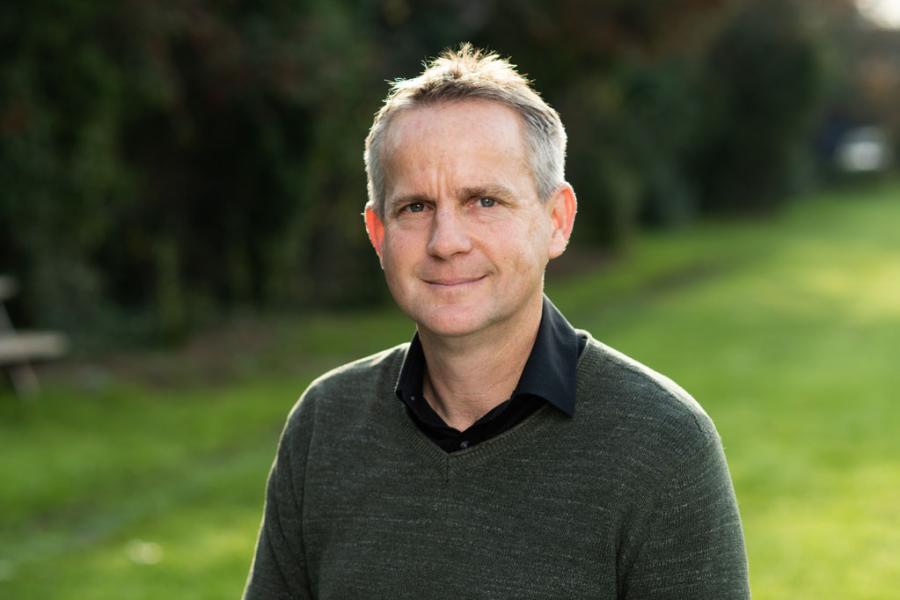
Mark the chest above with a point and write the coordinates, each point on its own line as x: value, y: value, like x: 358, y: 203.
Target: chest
x: 505, y: 529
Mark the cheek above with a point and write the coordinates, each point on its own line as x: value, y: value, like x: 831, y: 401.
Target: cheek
x: 398, y: 255
x: 534, y: 243
x: 524, y: 253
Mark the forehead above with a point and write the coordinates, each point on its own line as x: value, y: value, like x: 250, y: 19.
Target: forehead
x: 472, y: 112
x: 464, y: 142
x: 453, y: 131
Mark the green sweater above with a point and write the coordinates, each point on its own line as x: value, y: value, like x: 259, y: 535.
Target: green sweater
x: 630, y: 498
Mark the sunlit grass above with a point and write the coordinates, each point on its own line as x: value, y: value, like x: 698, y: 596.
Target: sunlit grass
x: 794, y: 354
x: 787, y: 331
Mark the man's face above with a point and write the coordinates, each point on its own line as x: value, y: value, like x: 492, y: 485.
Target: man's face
x: 464, y: 239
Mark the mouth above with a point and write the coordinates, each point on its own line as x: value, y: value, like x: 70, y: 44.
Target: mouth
x: 453, y: 282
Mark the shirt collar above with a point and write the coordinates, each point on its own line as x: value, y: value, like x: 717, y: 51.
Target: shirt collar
x: 549, y: 372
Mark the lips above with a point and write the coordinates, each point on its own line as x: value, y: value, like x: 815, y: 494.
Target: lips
x: 453, y: 281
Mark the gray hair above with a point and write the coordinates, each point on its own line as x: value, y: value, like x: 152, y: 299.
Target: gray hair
x: 472, y: 73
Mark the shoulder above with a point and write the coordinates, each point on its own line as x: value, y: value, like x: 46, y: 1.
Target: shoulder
x: 645, y: 412
x: 348, y: 390
x: 377, y: 370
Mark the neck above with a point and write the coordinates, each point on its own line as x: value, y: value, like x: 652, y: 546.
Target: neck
x: 467, y: 376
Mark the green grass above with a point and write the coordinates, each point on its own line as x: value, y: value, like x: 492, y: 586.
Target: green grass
x: 787, y: 331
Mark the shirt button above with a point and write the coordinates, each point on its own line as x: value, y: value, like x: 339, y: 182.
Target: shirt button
x: 464, y: 444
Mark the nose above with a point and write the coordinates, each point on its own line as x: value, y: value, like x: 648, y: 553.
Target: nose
x: 448, y: 235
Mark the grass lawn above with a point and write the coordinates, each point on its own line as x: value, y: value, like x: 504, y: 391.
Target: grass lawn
x: 786, y: 330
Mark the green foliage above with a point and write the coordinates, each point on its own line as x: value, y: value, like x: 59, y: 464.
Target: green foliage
x: 164, y: 162
x: 760, y: 85
x: 178, y: 157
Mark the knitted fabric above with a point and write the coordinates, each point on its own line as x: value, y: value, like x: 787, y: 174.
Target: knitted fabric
x: 630, y: 498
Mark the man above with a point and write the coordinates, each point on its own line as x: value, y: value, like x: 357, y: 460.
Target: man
x: 501, y: 453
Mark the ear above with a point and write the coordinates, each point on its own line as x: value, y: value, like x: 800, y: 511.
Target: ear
x: 562, y: 207
x: 375, y: 229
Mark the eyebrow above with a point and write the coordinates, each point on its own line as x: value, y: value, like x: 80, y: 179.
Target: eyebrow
x: 405, y: 199
x: 490, y: 190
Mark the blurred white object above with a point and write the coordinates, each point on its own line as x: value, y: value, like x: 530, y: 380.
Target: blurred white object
x: 864, y: 150
x: 883, y: 13
x: 143, y: 553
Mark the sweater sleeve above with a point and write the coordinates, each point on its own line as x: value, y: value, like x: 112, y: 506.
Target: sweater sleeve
x: 279, y: 569
x: 690, y: 544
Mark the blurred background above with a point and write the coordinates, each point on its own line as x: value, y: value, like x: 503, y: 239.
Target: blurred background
x: 181, y: 252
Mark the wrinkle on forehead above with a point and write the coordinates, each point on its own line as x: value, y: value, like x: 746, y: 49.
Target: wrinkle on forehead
x: 412, y: 130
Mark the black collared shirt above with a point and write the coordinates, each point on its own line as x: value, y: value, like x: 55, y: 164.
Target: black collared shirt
x: 548, y: 378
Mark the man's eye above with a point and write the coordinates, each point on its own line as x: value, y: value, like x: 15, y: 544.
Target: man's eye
x: 415, y: 207
x: 486, y: 202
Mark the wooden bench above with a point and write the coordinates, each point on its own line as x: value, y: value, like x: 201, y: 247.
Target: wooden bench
x: 19, y: 349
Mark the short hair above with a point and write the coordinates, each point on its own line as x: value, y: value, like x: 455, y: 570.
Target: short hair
x: 471, y: 73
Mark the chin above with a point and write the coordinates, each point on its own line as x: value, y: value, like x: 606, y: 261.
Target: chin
x: 450, y: 322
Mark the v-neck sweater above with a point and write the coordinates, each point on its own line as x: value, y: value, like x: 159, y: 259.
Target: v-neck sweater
x: 630, y: 498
